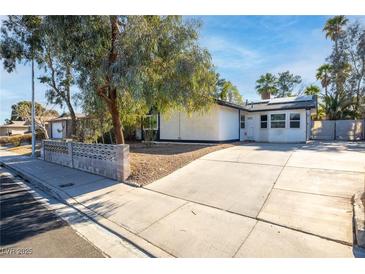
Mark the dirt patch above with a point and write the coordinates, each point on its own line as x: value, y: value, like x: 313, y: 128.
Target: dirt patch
x: 151, y: 163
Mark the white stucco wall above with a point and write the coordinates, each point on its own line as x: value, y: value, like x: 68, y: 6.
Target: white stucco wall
x: 228, y: 123
x: 218, y: 124
x: 6, y: 131
x: 222, y: 123
x: 277, y: 135
x: 170, y: 126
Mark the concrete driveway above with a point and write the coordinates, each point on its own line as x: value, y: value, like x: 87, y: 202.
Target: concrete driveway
x: 287, y: 200
x: 251, y: 200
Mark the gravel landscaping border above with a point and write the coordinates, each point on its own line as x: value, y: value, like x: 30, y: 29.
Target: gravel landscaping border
x: 150, y: 162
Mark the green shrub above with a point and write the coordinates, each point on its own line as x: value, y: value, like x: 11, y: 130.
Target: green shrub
x: 16, y: 140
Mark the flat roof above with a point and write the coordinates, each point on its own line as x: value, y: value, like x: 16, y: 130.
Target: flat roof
x: 298, y: 102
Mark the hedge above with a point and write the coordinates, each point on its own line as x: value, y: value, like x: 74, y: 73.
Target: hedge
x: 17, y: 140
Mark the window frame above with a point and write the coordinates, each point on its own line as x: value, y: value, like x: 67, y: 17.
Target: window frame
x: 294, y: 120
x: 264, y: 121
x: 242, y: 121
x: 274, y: 121
x: 150, y: 122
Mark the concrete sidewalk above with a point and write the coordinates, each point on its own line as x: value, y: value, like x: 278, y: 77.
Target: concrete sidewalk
x: 166, y: 226
x: 27, y: 223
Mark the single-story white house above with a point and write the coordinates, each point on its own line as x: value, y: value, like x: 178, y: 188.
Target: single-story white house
x: 285, y: 120
x: 15, y: 128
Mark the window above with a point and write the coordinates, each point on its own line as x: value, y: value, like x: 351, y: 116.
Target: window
x: 294, y: 120
x: 242, y: 121
x: 150, y: 122
x: 263, y: 121
x: 278, y: 120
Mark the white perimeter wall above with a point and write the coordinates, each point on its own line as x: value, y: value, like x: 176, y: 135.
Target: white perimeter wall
x: 277, y: 135
x: 218, y: 124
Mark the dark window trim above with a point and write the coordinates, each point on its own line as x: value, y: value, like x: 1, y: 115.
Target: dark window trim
x: 295, y: 120
x: 243, y: 122
x: 277, y: 121
x: 265, y: 122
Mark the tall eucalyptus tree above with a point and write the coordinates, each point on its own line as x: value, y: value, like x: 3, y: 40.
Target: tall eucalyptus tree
x: 137, y: 63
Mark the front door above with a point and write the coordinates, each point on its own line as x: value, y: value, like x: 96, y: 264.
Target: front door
x: 250, y: 128
x: 247, y: 128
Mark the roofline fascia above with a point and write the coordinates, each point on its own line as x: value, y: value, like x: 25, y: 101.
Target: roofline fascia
x: 226, y: 104
x: 275, y: 109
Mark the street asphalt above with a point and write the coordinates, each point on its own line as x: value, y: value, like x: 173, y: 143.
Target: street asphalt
x: 29, y: 229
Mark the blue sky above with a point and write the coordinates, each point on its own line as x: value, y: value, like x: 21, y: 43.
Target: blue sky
x: 242, y: 48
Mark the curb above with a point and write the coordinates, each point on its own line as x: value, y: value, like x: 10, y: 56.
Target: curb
x: 139, y: 243
x: 359, y: 218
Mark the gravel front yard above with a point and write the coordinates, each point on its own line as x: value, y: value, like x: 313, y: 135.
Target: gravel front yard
x: 151, y: 163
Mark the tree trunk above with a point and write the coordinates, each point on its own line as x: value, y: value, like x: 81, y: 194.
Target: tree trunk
x: 113, y: 105
x: 108, y: 92
x: 73, y: 119
x: 117, y: 126
x: 44, y: 132
x: 68, y: 101
x: 41, y: 125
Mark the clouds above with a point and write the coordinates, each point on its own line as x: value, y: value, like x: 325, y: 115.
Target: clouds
x: 228, y: 54
x: 245, y: 47
x: 304, y: 59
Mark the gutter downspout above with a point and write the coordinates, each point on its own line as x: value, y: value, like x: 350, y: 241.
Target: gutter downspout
x: 239, y: 125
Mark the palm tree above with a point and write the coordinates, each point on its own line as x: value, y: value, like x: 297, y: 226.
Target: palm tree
x: 266, y: 85
x: 312, y: 90
x: 337, y: 107
x: 323, y: 74
x: 334, y: 27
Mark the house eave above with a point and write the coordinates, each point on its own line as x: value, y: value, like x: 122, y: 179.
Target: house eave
x: 278, y: 109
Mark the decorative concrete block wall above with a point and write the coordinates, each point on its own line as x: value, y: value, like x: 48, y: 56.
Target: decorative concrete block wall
x: 57, y: 152
x: 111, y: 161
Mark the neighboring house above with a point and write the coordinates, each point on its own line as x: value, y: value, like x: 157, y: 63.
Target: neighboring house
x: 271, y: 120
x: 14, y: 128
x: 60, y: 127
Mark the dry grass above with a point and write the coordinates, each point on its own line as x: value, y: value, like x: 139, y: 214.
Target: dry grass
x: 25, y: 150
x: 151, y: 163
